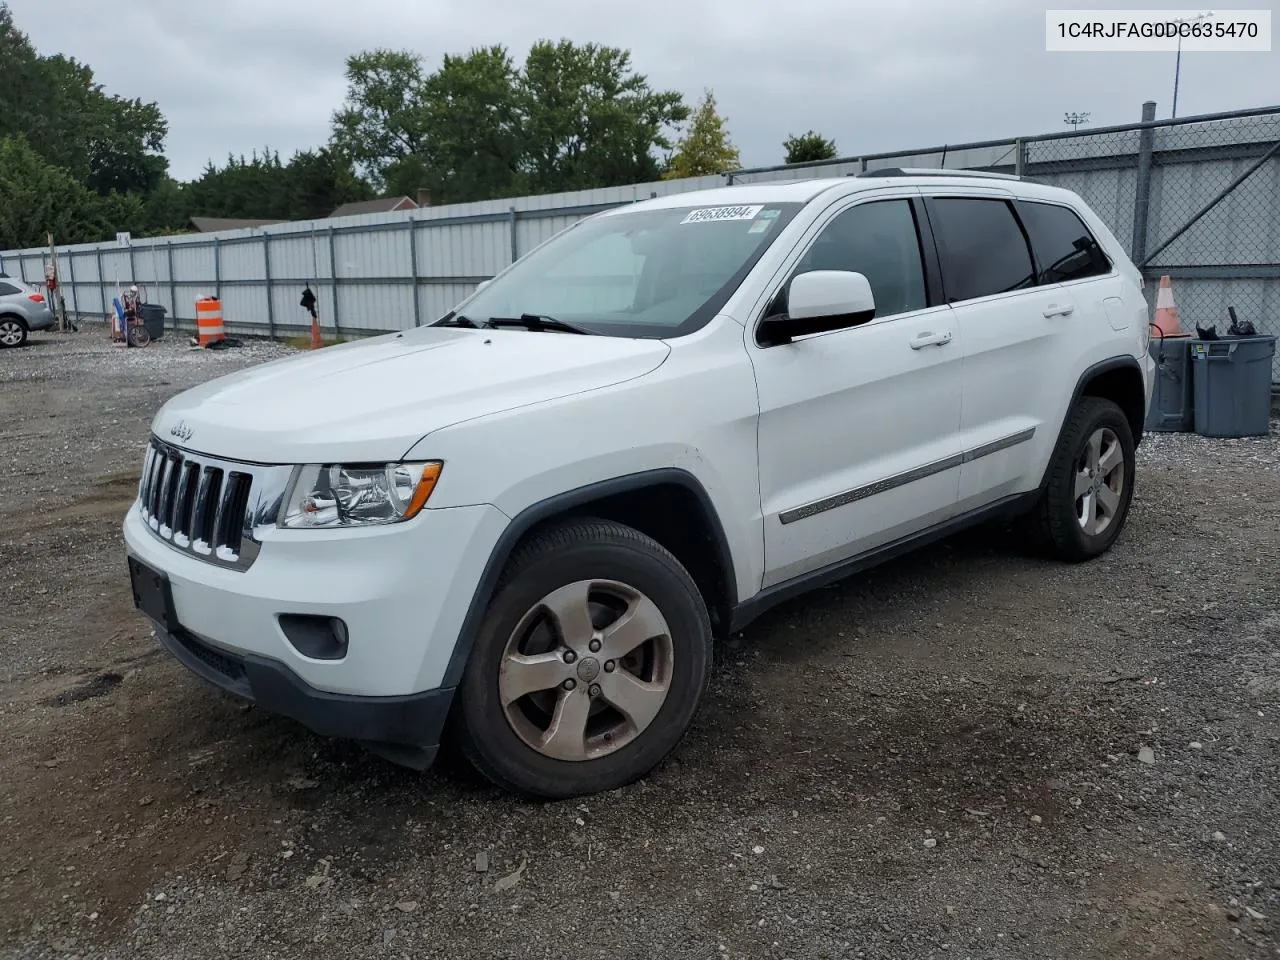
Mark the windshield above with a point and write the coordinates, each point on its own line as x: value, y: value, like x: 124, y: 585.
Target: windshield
x: 647, y: 273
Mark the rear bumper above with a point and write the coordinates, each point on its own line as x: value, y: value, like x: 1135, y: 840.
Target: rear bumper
x: 404, y: 729
x: 41, y: 321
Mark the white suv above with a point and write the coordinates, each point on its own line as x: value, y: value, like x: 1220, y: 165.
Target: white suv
x: 526, y: 522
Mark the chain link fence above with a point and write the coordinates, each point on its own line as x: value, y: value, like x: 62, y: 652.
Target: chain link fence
x: 1196, y: 200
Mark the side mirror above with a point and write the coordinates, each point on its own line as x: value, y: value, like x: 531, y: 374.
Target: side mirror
x: 819, y: 301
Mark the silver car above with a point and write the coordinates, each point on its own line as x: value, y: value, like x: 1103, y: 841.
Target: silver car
x: 22, y: 309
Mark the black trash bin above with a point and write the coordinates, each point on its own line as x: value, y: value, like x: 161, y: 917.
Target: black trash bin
x: 1232, y: 382
x: 152, y: 315
x: 1171, y: 400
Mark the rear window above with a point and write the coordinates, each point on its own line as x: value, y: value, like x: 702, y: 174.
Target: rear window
x: 982, y: 247
x: 1065, y: 249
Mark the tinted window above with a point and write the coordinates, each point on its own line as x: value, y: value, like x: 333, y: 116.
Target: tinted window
x: 7, y: 288
x: 878, y: 240
x: 1064, y: 247
x: 982, y: 248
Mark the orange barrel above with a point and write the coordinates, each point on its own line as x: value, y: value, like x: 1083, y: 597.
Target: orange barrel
x: 209, y: 321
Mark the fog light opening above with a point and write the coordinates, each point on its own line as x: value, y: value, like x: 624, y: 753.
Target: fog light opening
x: 316, y: 637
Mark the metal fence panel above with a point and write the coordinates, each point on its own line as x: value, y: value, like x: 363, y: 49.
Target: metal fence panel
x: 463, y: 250
x: 367, y: 308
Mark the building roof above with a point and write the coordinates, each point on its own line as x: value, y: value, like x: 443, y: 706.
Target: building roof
x: 381, y: 205
x: 214, y: 224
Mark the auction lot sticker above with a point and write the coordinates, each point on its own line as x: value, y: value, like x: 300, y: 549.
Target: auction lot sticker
x: 713, y: 214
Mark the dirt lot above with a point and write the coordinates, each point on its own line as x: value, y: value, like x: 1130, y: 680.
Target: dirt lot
x: 967, y: 753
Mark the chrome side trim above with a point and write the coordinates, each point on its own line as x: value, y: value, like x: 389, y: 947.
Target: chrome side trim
x: 995, y: 446
x: 902, y: 479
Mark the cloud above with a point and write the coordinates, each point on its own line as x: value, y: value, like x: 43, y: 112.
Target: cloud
x: 239, y: 75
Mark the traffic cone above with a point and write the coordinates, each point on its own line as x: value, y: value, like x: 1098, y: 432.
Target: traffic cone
x: 1166, y: 313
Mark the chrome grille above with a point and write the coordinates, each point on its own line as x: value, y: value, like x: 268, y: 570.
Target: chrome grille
x: 208, y: 508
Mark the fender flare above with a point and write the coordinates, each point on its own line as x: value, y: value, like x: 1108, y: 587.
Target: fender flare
x: 563, y: 503
x: 1101, y: 367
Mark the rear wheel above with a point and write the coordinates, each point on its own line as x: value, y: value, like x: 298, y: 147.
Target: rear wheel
x: 139, y: 336
x: 13, y: 332
x: 1086, y: 502
x: 590, y: 665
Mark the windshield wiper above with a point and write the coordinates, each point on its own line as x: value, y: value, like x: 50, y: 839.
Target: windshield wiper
x: 536, y: 322
x: 458, y: 320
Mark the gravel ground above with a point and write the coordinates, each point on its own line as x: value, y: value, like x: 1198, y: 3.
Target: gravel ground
x: 967, y: 753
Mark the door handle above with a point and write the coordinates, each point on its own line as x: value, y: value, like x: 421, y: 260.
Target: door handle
x: 1058, y: 310
x: 927, y: 339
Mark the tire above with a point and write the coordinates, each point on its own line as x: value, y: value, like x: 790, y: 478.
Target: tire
x: 13, y: 332
x: 139, y: 336
x: 617, y: 576
x: 1085, y: 507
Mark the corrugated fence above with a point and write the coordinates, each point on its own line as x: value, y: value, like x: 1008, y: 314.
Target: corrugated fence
x: 1196, y: 198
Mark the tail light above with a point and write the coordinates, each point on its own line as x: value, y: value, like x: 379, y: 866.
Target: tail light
x: 37, y: 297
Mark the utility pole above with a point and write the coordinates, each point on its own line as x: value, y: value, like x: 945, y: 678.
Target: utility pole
x: 1075, y: 119
x: 1177, y: 63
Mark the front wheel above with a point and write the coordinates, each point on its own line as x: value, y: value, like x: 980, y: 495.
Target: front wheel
x: 590, y: 665
x: 139, y: 336
x: 1086, y: 501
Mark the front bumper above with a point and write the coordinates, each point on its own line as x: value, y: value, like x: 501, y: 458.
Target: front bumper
x: 402, y: 592
x: 406, y: 729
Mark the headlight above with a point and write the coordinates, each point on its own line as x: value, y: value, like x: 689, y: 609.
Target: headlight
x: 336, y: 495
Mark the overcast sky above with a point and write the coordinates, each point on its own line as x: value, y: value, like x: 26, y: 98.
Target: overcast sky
x: 233, y: 75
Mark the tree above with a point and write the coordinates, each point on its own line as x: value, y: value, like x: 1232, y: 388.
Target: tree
x: 808, y: 147
x: 590, y: 121
x: 108, y: 142
x: 38, y: 198
x: 311, y: 185
x: 384, y: 118
x: 573, y: 117
x: 705, y: 148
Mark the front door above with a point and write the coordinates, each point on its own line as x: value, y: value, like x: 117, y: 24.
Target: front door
x: 859, y: 428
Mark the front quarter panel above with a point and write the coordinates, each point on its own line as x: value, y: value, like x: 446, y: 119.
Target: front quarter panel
x: 697, y: 413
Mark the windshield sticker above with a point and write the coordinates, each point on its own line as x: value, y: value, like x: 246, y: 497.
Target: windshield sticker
x: 769, y: 214
x: 760, y: 225
x: 715, y: 214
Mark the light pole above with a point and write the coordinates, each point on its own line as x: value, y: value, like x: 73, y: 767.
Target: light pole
x: 1177, y: 64
x: 1075, y: 119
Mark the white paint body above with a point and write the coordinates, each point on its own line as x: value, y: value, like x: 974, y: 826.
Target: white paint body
x: 518, y: 417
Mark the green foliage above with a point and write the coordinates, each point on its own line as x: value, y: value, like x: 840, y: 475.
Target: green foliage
x: 808, y: 147
x: 38, y: 198
x: 589, y: 120
x: 107, y: 142
x: 572, y: 117
x: 705, y: 148
x: 310, y: 186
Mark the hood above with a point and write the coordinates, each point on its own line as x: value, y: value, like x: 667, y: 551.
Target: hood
x: 373, y: 399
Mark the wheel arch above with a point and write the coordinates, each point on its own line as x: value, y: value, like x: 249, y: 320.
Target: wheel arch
x: 638, y: 500
x: 1118, y: 379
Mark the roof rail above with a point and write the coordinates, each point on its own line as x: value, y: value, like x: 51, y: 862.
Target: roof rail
x: 934, y: 172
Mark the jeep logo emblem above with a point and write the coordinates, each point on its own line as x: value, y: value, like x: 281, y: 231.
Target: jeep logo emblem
x: 180, y: 430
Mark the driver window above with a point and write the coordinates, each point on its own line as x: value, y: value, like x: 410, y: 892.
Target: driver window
x: 878, y: 240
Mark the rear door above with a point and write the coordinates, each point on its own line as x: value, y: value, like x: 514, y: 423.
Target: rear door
x: 1017, y: 329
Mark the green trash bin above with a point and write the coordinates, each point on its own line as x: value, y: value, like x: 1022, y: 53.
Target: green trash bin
x: 1231, y: 381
